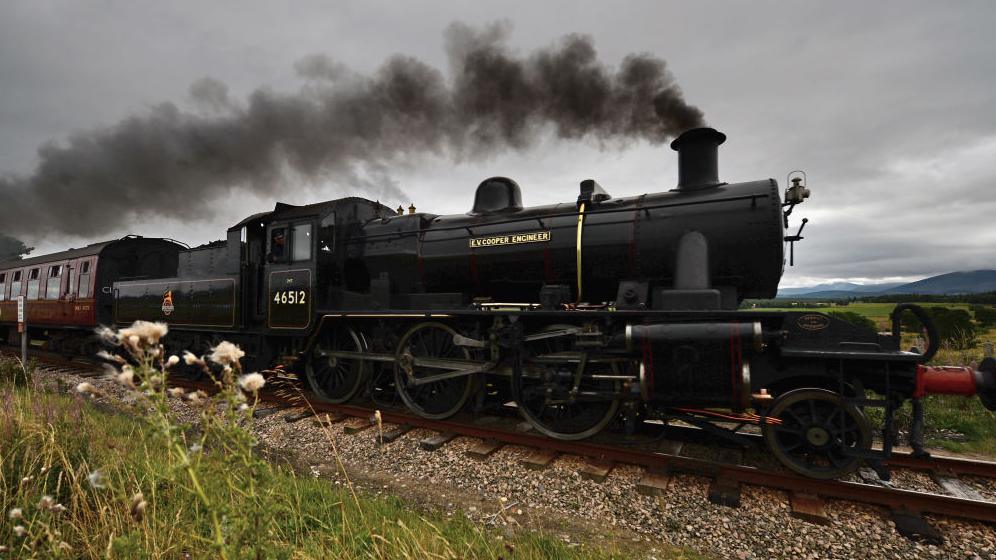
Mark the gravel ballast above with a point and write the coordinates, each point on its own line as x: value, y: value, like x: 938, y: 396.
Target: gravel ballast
x: 501, y: 492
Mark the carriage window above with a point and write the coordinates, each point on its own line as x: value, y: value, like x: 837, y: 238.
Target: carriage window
x: 72, y: 278
x: 15, y: 285
x: 3, y: 286
x: 33, y: 283
x: 54, y: 285
x: 84, y: 290
x: 278, y: 244
x: 326, y: 235
x: 302, y: 242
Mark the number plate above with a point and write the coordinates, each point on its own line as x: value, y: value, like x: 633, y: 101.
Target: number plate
x: 290, y: 299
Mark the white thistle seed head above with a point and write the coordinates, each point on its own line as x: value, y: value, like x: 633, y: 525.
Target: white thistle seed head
x: 46, y: 503
x: 138, y: 505
x: 15, y: 513
x: 96, y: 479
x: 172, y: 360
x: 145, y: 332
x: 20, y: 531
x: 108, y: 335
x: 86, y: 388
x: 105, y: 355
x: 252, y: 382
x: 127, y: 376
x: 226, y: 353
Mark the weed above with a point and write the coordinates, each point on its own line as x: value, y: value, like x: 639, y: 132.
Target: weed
x: 81, y: 482
x: 13, y: 372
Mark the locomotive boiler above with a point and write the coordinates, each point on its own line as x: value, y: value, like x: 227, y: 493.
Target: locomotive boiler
x: 595, y: 315
x: 704, y: 244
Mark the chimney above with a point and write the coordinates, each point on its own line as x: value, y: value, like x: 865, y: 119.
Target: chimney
x: 697, y: 158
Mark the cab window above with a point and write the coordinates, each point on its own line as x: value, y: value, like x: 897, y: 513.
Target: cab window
x: 33, y: 283
x: 326, y: 235
x: 15, y: 285
x: 54, y: 285
x: 3, y: 286
x: 278, y: 244
x: 302, y: 242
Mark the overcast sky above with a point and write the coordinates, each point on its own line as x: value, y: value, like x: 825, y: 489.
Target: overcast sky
x: 890, y: 107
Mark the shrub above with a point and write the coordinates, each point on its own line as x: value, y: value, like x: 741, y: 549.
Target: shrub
x: 855, y: 319
x: 954, y: 326
x: 985, y: 316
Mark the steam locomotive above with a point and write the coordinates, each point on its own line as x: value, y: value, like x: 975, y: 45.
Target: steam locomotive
x: 597, y: 312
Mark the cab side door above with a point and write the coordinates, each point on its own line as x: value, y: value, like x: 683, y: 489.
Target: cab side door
x: 290, y: 275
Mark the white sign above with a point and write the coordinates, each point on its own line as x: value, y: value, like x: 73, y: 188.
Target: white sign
x: 20, y: 309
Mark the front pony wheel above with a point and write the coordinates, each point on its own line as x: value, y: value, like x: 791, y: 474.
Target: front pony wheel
x: 816, y: 433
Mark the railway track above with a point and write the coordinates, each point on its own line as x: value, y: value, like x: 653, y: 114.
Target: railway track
x: 728, y: 474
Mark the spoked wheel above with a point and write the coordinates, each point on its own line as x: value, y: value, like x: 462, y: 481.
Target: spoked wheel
x: 332, y: 376
x: 816, y: 431
x: 419, y: 352
x: 556, y: 394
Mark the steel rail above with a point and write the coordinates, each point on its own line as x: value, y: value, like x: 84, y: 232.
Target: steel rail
x: 899, y: 459
x: 892, y: 498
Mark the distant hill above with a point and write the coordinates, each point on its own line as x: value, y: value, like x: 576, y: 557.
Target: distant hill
x: 967, y: 282
x: 828, y: 294
x: 952, y: 283
x: 848, y: 287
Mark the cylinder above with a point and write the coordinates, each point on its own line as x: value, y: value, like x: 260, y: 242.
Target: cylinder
x: 696, y: 364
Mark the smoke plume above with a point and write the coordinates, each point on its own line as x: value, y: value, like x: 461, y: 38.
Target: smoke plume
x: 341, y: 127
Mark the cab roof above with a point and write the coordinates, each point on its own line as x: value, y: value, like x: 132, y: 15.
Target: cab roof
x: 284, y: 211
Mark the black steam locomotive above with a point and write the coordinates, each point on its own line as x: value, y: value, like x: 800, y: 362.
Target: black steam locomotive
x: 601, y: 311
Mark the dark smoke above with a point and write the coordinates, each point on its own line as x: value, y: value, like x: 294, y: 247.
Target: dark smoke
x: 343, y: 127
x: 12, y: 249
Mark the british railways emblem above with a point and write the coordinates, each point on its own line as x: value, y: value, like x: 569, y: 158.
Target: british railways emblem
x: 168, y: 302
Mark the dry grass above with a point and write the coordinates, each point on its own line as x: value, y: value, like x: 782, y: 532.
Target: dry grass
x: 78, y: 481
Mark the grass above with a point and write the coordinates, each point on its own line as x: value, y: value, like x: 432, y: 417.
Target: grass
x: 51, y: 443
x: 125, y: 496
x: 966, y: 416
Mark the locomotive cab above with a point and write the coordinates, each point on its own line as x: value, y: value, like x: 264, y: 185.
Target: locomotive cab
x: 295, y: 262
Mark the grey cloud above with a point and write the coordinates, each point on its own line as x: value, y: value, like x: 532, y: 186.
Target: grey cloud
x: 871, y: 100
x: 211, y: 94
x: 355, y: 130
